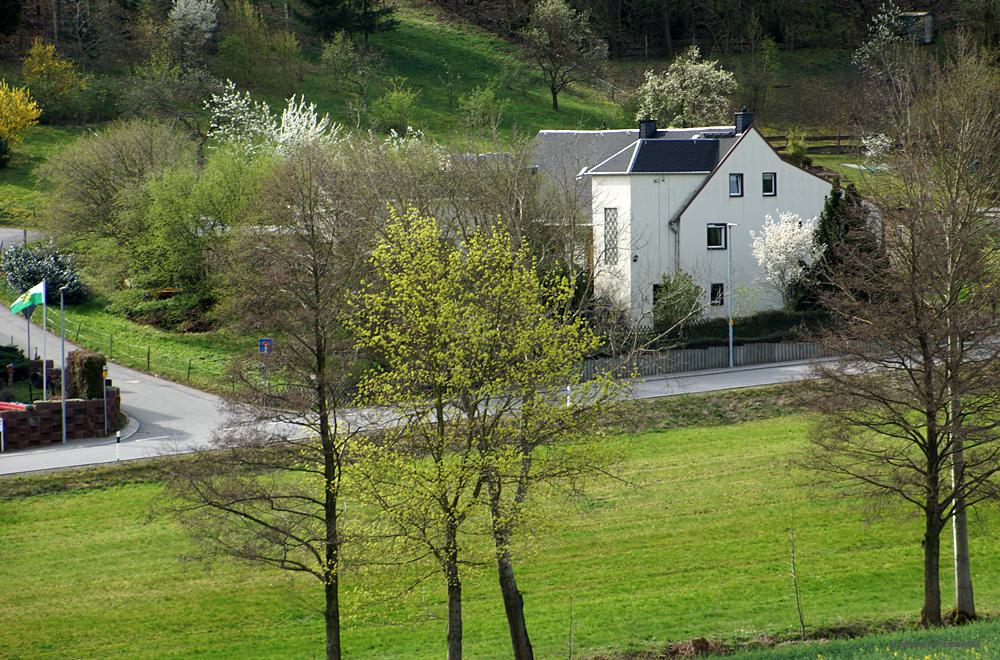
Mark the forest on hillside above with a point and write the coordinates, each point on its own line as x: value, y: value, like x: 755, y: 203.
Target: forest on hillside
x: 108, y: 31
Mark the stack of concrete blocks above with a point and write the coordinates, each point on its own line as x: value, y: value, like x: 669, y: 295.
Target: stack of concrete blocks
x: 41, y: 424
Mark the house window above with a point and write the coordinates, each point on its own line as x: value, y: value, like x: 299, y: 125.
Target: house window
x: 769, y: 184
x: 611, y: 236
x: 717, y: 295
x: 736, y: 185
x: 717, y: 237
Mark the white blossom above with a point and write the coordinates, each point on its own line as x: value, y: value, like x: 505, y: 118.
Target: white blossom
x: 239, y: 120
x: 192, y: 23
x: 691, y: 92
x: 876, y: 148
x: 783, y: 249
x: 885, y: 35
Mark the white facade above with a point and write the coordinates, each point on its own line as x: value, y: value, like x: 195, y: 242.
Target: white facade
x: 663, y: 224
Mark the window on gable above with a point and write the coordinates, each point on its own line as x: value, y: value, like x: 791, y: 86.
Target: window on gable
x: 611, y: 236
x: 769, y: 184
x: 717, y: 295
x: 717, y: 236
x: 736, y: 185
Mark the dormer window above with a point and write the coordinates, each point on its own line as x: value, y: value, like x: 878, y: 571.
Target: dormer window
x: 736, y: 185
x: 769, y: 184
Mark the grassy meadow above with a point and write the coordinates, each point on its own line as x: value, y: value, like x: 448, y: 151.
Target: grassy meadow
x: 692, y: 543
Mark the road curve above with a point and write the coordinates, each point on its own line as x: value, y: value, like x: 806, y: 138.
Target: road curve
x: 172, y: 417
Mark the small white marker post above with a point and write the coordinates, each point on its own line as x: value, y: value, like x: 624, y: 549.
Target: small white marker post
x: 118, y: 445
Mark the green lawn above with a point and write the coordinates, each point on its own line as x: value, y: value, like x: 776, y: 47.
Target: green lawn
x: 20, y: 193
x: 975, y: 642
x: 428, y: 49
x: 693, y: 545
x: 170, y: 354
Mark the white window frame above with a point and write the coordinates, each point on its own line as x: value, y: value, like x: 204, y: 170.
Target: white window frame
x: 774, y: 184
x: 611, y: 237
x: 716, y: 225
x: 739, y: 179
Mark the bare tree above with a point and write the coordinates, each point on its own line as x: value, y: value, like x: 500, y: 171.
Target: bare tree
x: 912, y: 411
x: 270, y: 490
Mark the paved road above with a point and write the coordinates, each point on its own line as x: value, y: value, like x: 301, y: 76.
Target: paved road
x: 171, y: 417
x: 174, y: 418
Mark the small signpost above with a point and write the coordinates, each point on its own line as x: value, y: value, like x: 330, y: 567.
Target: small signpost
x: 264, y: 345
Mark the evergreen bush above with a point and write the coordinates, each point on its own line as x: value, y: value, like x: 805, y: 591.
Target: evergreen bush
x: 24, y: 266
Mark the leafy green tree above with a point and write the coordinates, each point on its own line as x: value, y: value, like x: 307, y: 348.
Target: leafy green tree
x: 691, y: 92
x: 563, y: 45
x: 761, y: 66
x: 354, y: 68
x: 89, y: 177
x: 482, y: 362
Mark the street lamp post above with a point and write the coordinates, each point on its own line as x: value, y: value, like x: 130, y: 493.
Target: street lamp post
x: 729, y: 286
x: 62, y: 356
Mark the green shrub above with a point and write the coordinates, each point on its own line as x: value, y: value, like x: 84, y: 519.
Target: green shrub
x: 795, y: 152
x: 394, y: 110
x: 13, y: 355
x: 482, y: 109
x: 85, y: 375
x: 762, y: 327
x: 24, y: 266
x: 678, y: 301
x: 182, y: 312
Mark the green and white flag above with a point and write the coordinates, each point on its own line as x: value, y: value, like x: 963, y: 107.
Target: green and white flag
x: 33, y: 296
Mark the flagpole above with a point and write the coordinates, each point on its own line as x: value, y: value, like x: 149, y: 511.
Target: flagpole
x: 27, y: 322
x: 45, y: 352
x: 62, y: 357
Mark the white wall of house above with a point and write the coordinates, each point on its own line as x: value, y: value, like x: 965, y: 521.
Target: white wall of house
x: 797, y: 191
x: 655, y: 199
x: 646, y: 244
x: 612, y: 275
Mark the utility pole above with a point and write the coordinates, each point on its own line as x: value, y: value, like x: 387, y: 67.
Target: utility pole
x: 729, y: 286
x: 62, y: 357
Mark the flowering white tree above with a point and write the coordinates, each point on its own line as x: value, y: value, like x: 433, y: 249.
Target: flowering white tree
x: 250, y: 125
x: 691, y: 92
x: 876, y: 148
x: 192, y: 23
x: 783, y: 249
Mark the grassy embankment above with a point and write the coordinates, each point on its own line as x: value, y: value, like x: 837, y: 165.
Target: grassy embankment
x: 694, y: 545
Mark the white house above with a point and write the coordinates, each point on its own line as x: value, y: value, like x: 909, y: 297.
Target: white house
x: 663, y: 202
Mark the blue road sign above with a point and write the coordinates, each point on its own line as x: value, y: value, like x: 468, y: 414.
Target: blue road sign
x: 264, y: 344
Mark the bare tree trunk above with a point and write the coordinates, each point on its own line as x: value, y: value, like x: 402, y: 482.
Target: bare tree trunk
x: 56, y: 20
x: 555, y: 98
x: 332, y: 614
x: 331, y: 482
x: 513, y: 604
x: 665, y: 17
x: 965, y: 603
x: 454, y: 612
x: 930, y: 615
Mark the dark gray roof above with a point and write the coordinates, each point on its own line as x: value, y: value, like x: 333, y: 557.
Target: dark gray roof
x: 656, y: 156
x: 562, y: 154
